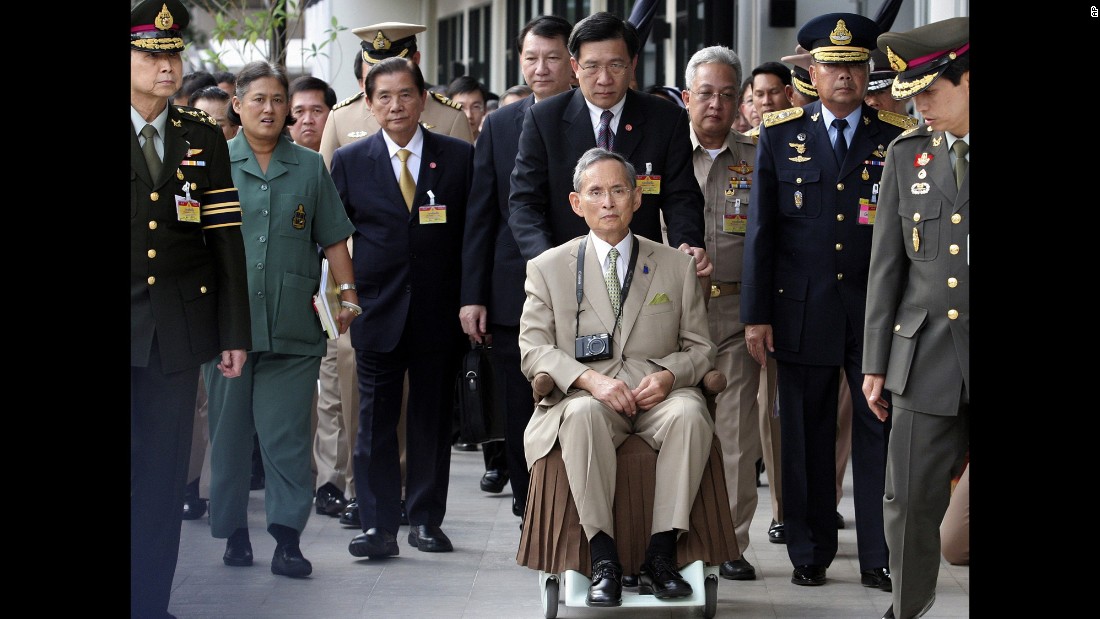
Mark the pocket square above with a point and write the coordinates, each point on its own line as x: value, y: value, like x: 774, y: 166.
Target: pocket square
x: 659, y: 298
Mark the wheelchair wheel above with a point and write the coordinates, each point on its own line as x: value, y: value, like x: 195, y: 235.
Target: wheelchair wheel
x: 710, y: 586
x: 550, y: 597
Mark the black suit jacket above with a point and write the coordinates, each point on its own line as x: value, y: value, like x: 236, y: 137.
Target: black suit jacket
x: 493, y: 270
x: 188, y: 282
x: 806, y: 253
x: 558, y: 130
x: 407, y: 273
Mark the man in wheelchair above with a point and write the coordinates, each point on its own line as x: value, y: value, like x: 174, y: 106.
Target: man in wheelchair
x: 619, y: 323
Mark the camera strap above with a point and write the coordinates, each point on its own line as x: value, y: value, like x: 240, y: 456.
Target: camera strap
x: 626, y: 284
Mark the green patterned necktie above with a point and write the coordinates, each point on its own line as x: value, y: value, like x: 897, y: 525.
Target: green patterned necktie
x: 614, y: 289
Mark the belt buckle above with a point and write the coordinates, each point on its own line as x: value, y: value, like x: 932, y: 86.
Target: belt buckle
x: 715, y: 291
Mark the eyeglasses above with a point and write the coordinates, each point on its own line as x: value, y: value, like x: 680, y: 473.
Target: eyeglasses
x: 724, y: 97
x: 615, y: 68
x: 618, y: 194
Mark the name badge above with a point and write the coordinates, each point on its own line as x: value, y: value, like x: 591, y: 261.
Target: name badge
x: 650, y: 184
x: 433, y: 214
x: 867, y: 212
x: 734, y: 220
x: 188, y: 210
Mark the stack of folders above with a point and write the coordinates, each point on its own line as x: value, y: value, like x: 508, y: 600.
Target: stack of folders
x: 327, y: 302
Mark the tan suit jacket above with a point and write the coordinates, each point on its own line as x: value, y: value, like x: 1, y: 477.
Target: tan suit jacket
x: 654, y: 335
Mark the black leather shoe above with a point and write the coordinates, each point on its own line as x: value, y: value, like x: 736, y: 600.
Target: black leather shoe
x: 839, y: 520
x: 350, y: 516
x: 878, y: 578
x: 404, y: 514
x: 518, y: 509
x: 465, y: 446
x: 193, y: 507
x: 428, y: 538
x: 630, y: 581
x: 777, y: 533
x: 493, y: 480
x: 738, y: 569
x: 809, y: 575
x: 238, y: 549
x: 606, y: 589
x: 375, y: 543
x: 660, y: 577
x: 330, y: 501
x: 288, y: 561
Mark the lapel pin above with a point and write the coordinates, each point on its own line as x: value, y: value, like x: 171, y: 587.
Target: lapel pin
x: 629, y: 127
x: 432, y: 165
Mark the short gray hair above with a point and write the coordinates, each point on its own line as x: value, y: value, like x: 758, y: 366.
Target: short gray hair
x: 593, y: 156
x: 717, y: 54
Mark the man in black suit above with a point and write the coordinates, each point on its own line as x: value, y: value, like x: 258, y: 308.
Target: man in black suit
x: 188, y: 290
x: 405, y: 189
x: 493, y: 270
x: 804, y: 286
x: 648, y: 131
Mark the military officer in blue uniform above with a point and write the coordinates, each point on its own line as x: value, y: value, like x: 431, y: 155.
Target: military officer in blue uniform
x: 804, y: 284
x: 917, y: 335
x: 188, y: 289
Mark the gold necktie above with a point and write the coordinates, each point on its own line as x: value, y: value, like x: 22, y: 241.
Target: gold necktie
x: 149, y: 149
x: 960, y: 148
x: 611, y: 278
x: 408, y: 185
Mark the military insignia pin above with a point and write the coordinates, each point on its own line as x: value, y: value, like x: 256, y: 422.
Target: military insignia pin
x: 922, y: 174
x: 865, y: 175
x: 798, y: 199
x: 919, y: 189
x: 937, y: 140
x: 299, y: 219
x: 916, y: 240
x: 801, y: 137
x: 923, y: 159
x: 866, y: 120
x: 741, y: 168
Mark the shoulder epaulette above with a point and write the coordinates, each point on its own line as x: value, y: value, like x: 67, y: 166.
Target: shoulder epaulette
x: 898, y: 120
x: 197, y: 115
x: 908, y: 131
x: 781, y: 116
x: 426, y: 125
x: 446, y: 100
x: 348, y: 101
x: 754, y: 133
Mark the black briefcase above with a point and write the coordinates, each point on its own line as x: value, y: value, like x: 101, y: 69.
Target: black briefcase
x: 480, y: 419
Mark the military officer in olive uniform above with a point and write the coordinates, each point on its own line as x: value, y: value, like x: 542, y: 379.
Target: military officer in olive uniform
x: 188, y: 289
x: 917, y: 335
x: 807, y: 250
x: 351, y: 120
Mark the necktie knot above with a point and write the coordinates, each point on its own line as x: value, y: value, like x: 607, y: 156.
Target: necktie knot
x: 605, y: 137
x: 403, y: 155
x: 149, y: 150
x: 840, y: 146
x: 960, y: 149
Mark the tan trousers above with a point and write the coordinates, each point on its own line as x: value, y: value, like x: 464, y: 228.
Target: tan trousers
x: 769, y: 438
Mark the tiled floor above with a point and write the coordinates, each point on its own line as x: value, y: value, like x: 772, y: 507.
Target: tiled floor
x: 481, y: 580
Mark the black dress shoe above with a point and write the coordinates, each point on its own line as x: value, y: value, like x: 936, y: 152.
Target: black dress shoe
x: 350, y: 516
x: 375, y: 543
x: 606, y: 589
x: 428, y: 538
x: 839, y: 520
x: 518, y: 509
x: 193, y: 507
x: 777, y: 533
x: 238, y: 549
x: 288, y: 561
x: 878, y: 578
x: 404, y: 514
x: 809, y: 575
x: 660, y: 578
x: 493, y: 480
x: 630, y: 581
x: 330, y: 501
x: 738, y: 569
x: 465, y: 446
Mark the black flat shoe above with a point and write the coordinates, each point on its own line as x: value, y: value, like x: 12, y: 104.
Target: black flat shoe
x: 329, y: 501
x: 238, y: 549
x: 660, y: 577
x: 193, y: 506
x: 607, y: 585
x: 878, y: 578
x: 427, y: 538
x: 350, y: 515
x: 809, y: 575
x: 375, y: 543
x: 777, y: 533
x: 738, y: 569
x: 288, y: 561
x: 493, y: 480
